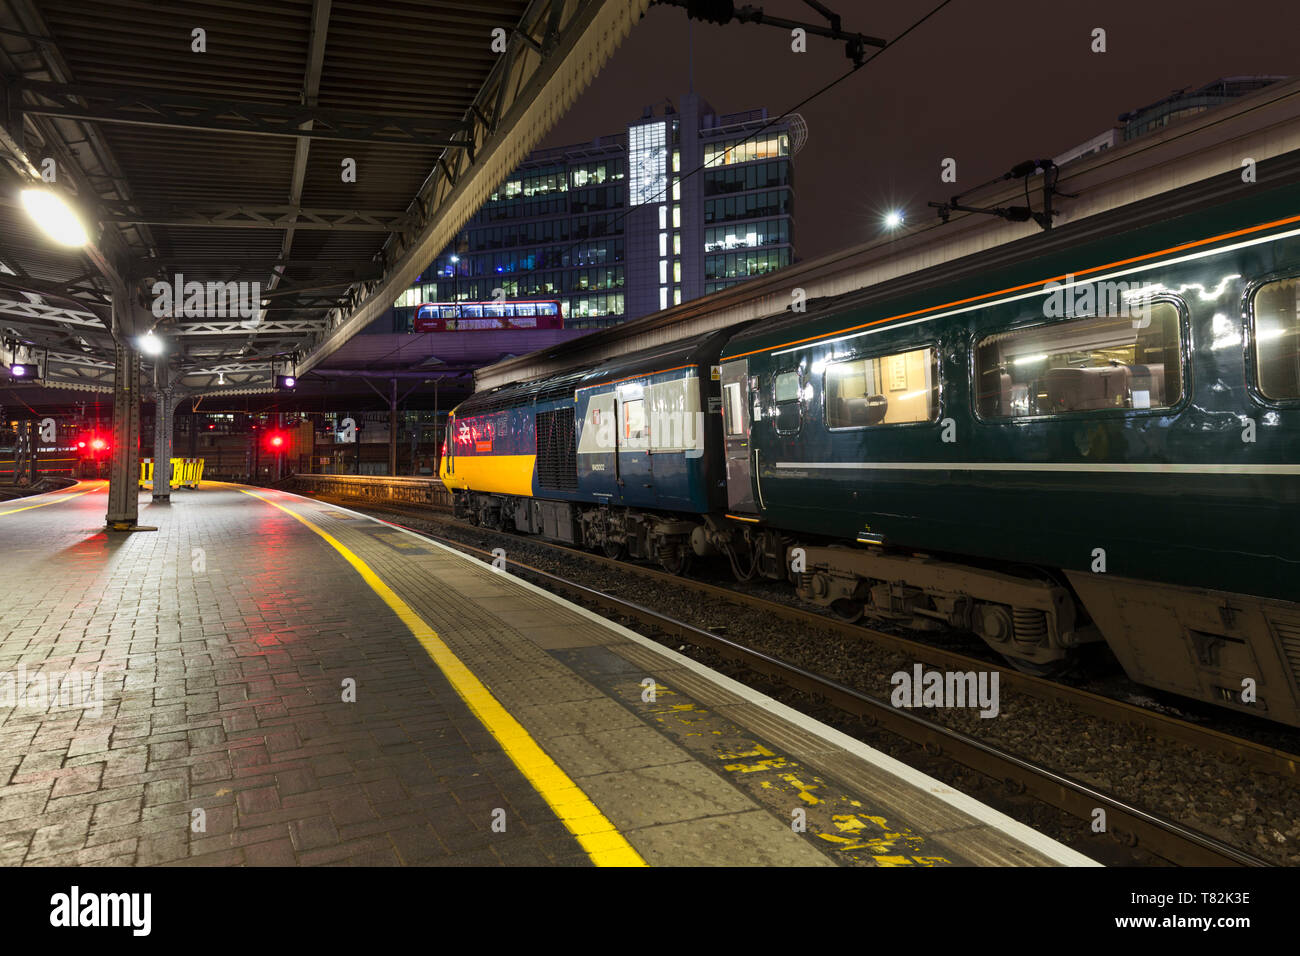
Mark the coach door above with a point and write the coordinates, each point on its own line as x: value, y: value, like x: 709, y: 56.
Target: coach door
x: 597, y: 413
x: 735, y: 429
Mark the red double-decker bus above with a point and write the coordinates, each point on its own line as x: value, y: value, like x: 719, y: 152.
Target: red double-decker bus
x: 478, y: 316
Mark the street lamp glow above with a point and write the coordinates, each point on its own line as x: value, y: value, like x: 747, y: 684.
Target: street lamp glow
x: 150, y: 344
x: 893, y: 219
x: 54, y: 216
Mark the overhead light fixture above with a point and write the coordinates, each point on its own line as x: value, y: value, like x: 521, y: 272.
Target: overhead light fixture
x: 286, y: 382
x: 24, y: 370
x: 893, y: 219
x: 55, y: 216
x: 221, y: 378
x: 150, y: 344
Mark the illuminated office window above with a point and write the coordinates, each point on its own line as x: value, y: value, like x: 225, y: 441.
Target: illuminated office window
x: 677, y: 217
x: 663, y: 297
x: 663, y: 243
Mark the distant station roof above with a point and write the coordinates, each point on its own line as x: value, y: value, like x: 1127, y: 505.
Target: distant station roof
x: 216, y: 144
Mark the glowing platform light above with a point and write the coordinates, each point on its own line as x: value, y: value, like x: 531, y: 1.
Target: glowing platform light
x: 54, y: 216
x: 893, y: 219
x: 150, y: 344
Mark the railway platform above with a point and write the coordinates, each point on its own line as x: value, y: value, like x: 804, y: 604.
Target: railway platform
x: 273, y: 680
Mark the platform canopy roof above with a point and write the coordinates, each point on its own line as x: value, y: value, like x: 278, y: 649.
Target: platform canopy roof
x: 214, y: 143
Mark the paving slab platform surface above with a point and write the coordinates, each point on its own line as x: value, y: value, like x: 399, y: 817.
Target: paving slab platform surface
x: 271, y: 680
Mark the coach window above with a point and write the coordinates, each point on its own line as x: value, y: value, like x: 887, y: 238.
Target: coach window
x: 883, y: 390
x: 787, y: 402
x: 1277, y: 339
x: 1096, y: 363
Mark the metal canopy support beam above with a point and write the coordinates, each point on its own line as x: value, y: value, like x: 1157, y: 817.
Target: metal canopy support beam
x: 320, y: 21
x: 261, y: 217
x: 146, y: 107
x: 124, y: 465
x: 164, y: 407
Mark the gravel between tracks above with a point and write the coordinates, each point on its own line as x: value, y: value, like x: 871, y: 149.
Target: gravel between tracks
x: 1254, y: 810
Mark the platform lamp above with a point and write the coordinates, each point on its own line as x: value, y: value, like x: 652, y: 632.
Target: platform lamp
x: 55, y: 217
x: 286, y: 380
x: 24, y: 371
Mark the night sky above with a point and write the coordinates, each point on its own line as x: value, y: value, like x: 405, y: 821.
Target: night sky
x: 988, y: 82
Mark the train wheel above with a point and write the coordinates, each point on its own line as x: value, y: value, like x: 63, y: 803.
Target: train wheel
x: 1051, y: 670
x: 850, y: 611
x: 676, y: 561
x: 612, y: 549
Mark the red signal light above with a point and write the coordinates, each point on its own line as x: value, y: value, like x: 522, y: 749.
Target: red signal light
x: 91, y: 445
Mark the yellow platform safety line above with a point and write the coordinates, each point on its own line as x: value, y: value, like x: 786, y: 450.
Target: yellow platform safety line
x: 186, y: 472
x: 599, y: 838
x: 44, y: 504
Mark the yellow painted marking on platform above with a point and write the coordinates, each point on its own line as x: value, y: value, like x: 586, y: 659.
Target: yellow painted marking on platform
x: 858, y: 835
x: 43, y: 504
x: 804, y: 790
x: 597, y: 835
x: 758, y: 751
x: 879, y: 840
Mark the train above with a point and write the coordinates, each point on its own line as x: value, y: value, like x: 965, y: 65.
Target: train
x: 1087, y: 435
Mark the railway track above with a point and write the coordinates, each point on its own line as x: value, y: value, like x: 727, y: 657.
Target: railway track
x: 1129, y: 824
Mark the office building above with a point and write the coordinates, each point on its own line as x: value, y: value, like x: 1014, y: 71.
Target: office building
x: 680, y: 203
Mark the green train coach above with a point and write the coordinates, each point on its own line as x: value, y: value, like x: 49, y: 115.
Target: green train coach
x: 1100, y: 443
x: 1091, y: 434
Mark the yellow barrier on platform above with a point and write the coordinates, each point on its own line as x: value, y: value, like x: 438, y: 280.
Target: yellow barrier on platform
x: 186, y: 472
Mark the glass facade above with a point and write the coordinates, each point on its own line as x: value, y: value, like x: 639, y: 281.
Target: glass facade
x: 565, y: 224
